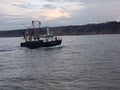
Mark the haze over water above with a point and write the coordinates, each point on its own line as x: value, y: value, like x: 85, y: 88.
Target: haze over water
x: 89, y: 62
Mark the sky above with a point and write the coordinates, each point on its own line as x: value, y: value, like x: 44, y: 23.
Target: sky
x: 15, y: 14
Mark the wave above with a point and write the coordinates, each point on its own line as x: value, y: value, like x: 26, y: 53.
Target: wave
x: 4, y: 50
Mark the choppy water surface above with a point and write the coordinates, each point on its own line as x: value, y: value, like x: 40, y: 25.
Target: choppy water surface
x: 80, y: 63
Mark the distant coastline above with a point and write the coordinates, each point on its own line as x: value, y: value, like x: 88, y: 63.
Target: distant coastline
x: 112, y: 27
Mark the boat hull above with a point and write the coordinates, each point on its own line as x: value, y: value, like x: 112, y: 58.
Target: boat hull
x: 38, y: 44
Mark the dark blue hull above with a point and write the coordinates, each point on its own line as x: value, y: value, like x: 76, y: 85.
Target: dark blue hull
x: 37, y: 44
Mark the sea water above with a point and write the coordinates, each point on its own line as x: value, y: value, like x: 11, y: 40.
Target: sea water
x: 90, y: 62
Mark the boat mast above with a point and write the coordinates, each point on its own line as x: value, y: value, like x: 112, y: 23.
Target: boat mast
x: 36, y: 32
x: 48, y: 32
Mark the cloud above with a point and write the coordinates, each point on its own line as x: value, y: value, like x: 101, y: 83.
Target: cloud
x: 55, y: 13
x: 8, y: 7
x: 46, y: 10
x: 101, y: 11
x: 27, y: 6
x: 49, y: 6
x: 64, y: 12
x: 94, y: 11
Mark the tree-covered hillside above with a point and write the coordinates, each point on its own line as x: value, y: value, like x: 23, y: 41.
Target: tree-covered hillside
x: 89, y: 29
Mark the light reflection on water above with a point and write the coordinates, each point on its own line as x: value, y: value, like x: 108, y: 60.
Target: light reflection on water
x: 80, y: 63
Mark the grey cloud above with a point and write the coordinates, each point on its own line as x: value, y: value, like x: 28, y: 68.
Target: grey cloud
x: 11, y: 22
x: 62, y: 1
x: 21, y: 5
x: 49, y: 6
x: 27, y: 5
x: 34, y: 6
x: 95, y: 12
x: 99, y: 12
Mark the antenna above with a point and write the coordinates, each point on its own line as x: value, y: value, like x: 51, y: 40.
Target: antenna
x: 26, y: 26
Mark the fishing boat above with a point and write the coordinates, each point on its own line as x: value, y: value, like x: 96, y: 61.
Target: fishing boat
x: 33, y: 38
